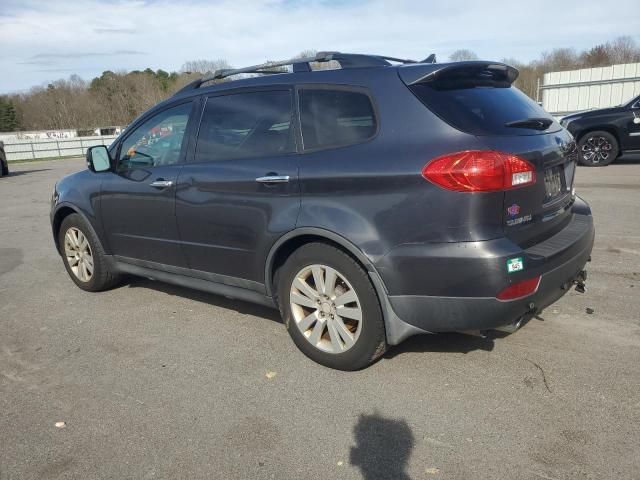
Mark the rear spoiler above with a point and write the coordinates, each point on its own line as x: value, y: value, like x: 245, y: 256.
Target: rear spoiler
x: 460, y: 74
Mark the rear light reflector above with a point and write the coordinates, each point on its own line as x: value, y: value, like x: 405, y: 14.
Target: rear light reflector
x: 480, y: 171
x: 520, y: 289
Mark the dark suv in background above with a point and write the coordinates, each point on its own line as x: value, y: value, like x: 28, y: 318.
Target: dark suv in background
x: 606, y: 133
x: 368, y: 203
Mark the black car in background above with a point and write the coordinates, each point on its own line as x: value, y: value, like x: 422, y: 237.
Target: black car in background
x: 606, y: 133
x: 4, y: 164
x: 368, y: 203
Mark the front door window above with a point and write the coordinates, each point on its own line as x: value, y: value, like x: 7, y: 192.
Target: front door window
x: 156, y: 142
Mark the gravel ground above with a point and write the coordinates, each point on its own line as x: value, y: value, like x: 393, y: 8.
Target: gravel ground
x: 156, y: 381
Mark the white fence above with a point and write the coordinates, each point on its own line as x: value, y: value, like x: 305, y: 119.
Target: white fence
x: 577, y: 90
x: 53, y: 148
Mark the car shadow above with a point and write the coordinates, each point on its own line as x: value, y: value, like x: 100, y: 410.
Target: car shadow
x: 383, y: 447
x: 629, y: 159
x: 443, y: 342
x: 24, y: 172
x: 239, y: 306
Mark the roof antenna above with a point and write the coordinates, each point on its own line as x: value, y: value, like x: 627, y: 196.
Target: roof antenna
x: 430, y: 59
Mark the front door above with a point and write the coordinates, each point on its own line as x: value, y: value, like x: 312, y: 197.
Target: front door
x: 633, y: 127
x: 240, y: 192
x: 138, y: 197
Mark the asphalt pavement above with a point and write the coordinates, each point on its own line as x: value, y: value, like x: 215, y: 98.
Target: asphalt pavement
x: 156, y: 381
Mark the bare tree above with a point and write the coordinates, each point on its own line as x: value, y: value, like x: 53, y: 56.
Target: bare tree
x: 204, y: 66
x: 463, y: 55
x: 623, y: 50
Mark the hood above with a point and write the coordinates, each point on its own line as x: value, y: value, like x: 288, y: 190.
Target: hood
x: 593, y: 113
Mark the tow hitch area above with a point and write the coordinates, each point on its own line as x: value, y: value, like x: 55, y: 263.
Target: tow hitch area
x: 580, y: 280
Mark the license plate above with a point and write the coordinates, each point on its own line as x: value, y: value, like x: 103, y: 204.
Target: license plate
x: 552, y: 182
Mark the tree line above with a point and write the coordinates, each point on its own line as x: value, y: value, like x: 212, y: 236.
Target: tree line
x: 116, y: 98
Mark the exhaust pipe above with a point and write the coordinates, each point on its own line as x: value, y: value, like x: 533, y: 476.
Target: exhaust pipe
x: 511, y: 327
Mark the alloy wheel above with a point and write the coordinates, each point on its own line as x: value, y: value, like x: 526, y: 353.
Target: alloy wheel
x: 78, y: 254
x: 326, y: 308
x: 596, y: 149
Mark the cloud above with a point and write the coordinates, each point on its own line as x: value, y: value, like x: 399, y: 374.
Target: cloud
x: 85, y: 54
x: 115, y: 30
x: 136, y: 34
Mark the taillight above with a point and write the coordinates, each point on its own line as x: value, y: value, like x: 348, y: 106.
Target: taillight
x: 480, y: 171
x: 520, y: 289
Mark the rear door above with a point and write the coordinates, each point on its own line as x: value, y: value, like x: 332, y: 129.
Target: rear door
x: 504, y: 119
x: 239, y: 192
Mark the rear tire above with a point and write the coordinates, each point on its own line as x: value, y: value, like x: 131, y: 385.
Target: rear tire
x: 5, y: 169
x: 597, y: 149
x: 330, y: 308
x: 83, y: 255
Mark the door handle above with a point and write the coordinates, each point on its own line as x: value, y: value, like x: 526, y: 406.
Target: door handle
x: 270, y: 179
x: 161, y: 183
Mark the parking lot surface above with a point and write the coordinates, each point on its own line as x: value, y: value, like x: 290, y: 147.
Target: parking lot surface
x: 156, y: 381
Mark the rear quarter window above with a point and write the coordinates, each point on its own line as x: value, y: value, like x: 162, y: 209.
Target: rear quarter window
x: 335, y: 118
x: 483, y: 110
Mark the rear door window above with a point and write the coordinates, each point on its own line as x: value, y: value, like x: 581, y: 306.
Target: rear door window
x: 483, y: 110
x: 246, y: 125
x: 335, y: 118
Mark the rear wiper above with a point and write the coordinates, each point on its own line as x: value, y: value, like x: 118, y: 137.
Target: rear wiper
x: 534, y: 123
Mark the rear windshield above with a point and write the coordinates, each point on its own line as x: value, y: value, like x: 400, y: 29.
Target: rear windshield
x: 483, y: 110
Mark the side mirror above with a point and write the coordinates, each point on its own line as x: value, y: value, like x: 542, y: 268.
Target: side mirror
x: 98, y: 159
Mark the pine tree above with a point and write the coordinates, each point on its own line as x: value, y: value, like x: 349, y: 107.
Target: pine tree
x: 8, y: 117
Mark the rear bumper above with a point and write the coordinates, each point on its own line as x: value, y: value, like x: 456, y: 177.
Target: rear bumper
x: 464, y: 278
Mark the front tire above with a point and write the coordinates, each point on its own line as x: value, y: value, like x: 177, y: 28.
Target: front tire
x: 597, y: 149
x: 330, y: 308
x: 83, y: 255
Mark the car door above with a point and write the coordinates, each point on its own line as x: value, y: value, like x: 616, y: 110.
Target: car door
x: 138, y: 198
x: 633, y: 127
x: 239, y: 192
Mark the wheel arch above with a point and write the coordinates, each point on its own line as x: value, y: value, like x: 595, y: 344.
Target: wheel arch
x: 294, y: 239
x: 62, y: 212
x: 600, y: 128
x: 396, y: 329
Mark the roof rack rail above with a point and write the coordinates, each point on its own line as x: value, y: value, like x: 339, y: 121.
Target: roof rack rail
x: 346, y: 60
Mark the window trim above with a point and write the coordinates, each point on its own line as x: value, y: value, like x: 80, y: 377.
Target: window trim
x: 335, y: 87
x: 238, y: 91
x: 184, y: 149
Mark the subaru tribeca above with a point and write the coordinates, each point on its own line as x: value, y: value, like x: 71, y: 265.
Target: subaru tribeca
x: 368, y: 203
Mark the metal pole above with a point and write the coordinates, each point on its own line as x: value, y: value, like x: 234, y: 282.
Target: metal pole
x: 538, y: 91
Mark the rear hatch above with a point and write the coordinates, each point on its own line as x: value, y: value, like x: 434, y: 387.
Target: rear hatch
x: 478, y: 98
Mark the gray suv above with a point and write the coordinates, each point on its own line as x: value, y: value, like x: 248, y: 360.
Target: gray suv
x: 368, y: 203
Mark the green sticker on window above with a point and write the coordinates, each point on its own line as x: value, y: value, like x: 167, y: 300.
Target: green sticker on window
x: 515, y: 264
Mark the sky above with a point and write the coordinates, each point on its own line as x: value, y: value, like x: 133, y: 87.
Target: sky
x: 41, y: 41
